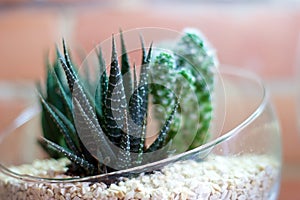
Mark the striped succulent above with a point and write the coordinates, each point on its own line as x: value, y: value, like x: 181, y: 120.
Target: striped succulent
x: 104, y: 132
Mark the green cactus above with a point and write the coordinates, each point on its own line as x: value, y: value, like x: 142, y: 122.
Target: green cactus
x: 189, y: 72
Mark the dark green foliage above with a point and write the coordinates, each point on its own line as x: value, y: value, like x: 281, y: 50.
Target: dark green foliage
x: 106, y: 132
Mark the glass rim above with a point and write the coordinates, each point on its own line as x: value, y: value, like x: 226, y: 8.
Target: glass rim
x: 205, y: 149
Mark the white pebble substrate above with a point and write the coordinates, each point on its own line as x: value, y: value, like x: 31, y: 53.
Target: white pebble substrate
x: 243, y: 177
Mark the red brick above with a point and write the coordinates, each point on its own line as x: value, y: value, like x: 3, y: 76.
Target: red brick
x: 289, y: 189
x: 261, y: 39
x: 286, y: 106
x: 13, y: 2
x: 26, y: 35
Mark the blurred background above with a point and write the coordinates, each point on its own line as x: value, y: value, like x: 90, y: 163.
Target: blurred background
x: 261, y: 36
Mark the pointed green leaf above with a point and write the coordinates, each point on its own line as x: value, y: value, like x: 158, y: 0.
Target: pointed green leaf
x: 144, y: 53
x: 91, y: 134
x: 64, y: 98
x: 59, y: 71
x: 142, y: 141
x: 101, y: 88
x: 72, y: 157
x: 143, y: 89
x: 52, y: 88
x: 73, y: 133
x: 124, y: 157
x: 68, y: 60
x: 135, y: 81
x: 60, y: 125
x: 125, y: 70
x: 115, y: 101
x: 70, y: 77
x: 161, y: 139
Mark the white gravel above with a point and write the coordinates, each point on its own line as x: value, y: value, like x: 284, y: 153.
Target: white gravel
x: 218, y: 177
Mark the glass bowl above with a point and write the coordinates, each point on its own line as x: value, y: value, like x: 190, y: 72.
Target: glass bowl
x: 241, y: 161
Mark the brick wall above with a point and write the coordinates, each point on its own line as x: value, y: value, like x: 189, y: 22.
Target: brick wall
x: 262, y: 38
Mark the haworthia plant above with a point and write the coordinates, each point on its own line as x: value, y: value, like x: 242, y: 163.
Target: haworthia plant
x: 103, y: 133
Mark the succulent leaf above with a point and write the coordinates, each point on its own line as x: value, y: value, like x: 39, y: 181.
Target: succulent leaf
x: 60, y: 126
x: 161, y: 138
x: 67, y: 59
x: 70, y: 77
x: 135, y: 81
x: 63, y: 97
x: 124, y: 156
x: 75, y: 137
x: 47, y: 131
x: 144, y: 53
x: 143, y: 88
x: 142, y: 144
x: 74, y: 158
x: 58, y: 70
x: 92, y: 135
x: 125, y: 69
x: 115, y: 101
x: 50, y: 130
x: 101, y: 89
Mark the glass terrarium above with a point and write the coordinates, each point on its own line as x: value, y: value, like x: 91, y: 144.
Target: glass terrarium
x: 241, y: 161
x: 225, y: 142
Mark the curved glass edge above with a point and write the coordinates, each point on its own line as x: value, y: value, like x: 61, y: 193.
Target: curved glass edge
x: 23, y: 118
x: 201, y: 151
x: 228, y: 70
